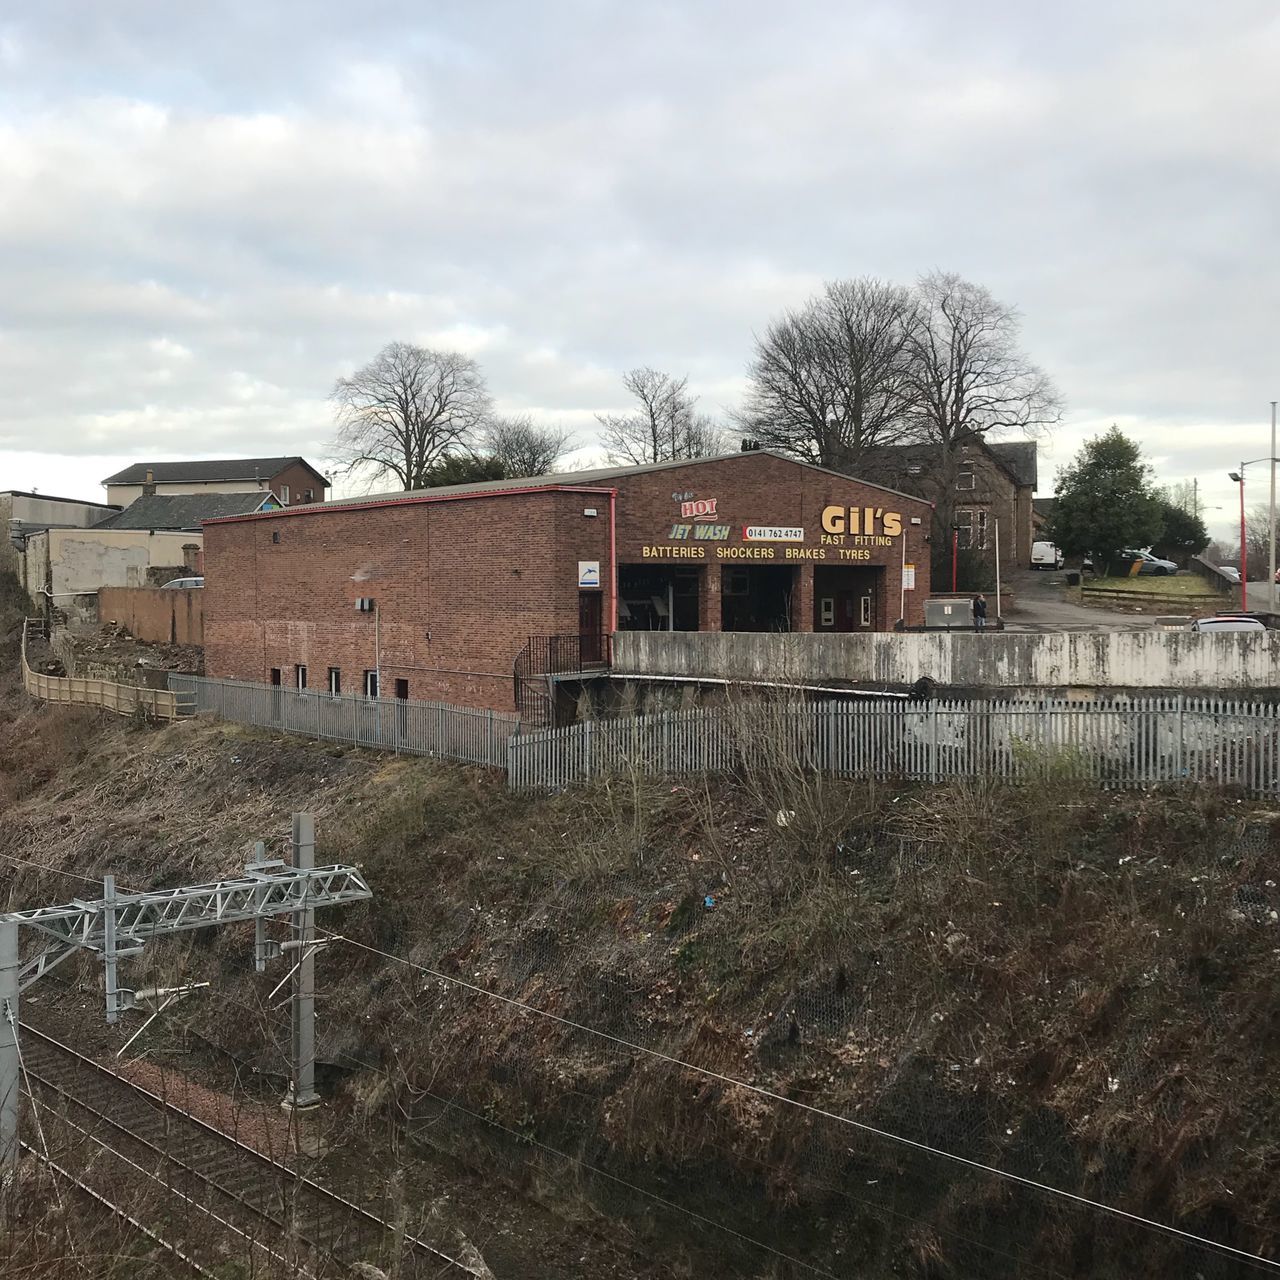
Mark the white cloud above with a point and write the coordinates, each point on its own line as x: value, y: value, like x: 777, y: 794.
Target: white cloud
x: 209, y: 216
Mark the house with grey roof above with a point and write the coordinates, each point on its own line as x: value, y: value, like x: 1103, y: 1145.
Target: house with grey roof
x: 186, y: 512
x: 290, y: 480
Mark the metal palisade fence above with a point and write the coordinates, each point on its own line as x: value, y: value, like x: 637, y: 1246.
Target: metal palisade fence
x: 1130, y: 742
x: 468, y: 734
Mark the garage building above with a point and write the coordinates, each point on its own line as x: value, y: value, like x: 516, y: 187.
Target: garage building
x: 432, y: 594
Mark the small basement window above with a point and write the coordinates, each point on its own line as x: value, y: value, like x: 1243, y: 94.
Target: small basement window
x: 402, y: 690
x: 275, y: 675
x: 335, y: 681
x: 370, y: 684
x: 300, y: 676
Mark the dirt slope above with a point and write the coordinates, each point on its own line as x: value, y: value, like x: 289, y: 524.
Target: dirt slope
x: 1074, y: 987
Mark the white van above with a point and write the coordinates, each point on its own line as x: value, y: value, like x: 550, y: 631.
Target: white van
x: 1044, y: 555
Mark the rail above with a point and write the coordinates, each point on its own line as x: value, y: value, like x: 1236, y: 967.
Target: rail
x: 88, y: 691
x: 240, y: 1198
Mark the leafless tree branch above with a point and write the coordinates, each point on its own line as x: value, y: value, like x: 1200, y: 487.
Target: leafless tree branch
x: 521, y: 446
x: 405, y: 411
x: 664, y: 427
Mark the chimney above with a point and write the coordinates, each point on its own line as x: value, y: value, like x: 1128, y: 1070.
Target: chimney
x: 149, y: 484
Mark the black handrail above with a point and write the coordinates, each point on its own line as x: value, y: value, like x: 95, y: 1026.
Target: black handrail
x: 554, y: 655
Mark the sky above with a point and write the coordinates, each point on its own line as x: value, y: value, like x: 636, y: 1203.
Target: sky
x: 210, y: 212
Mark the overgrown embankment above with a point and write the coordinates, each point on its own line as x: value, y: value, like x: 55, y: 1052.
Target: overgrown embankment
x: 1074, y: 987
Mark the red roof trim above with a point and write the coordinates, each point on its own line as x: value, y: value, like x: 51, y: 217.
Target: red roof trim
x: 327, y: 508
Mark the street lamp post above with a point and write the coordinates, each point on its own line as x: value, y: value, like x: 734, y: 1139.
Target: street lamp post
x: 1271, y: 576
x: 1238, y: 478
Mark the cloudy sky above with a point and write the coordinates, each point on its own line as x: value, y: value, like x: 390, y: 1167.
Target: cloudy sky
x: 208, y: 212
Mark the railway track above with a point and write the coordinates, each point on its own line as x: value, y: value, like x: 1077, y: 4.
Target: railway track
x: 209, y: 1196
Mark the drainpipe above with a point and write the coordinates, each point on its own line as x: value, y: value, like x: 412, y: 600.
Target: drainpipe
x: 613, y: 561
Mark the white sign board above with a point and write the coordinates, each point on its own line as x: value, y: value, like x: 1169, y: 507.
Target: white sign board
x: 771, y: 533
x: 908, y: 577
x: 588, y: 573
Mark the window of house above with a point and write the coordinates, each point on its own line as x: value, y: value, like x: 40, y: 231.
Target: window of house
x: 402, y: 690
x: 284, y: 495
x: 972, y: 527
x: 308, y: 495
x: 275, y: 675
x: 300, y: 676
x: 335, y: 681
x: 965, y: 480
x: 370, y: 684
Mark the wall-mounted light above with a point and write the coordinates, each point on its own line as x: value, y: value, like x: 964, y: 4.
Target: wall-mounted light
x: 915, y: 519
x: 590, y: 511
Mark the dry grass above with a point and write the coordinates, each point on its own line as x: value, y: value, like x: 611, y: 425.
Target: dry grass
x: 1076, y: 984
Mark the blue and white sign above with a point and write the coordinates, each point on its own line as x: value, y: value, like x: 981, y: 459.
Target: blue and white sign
x: 588, y: 573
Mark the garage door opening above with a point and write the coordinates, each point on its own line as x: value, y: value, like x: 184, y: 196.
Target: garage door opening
x: 756, y: 597
x: 655, y: 597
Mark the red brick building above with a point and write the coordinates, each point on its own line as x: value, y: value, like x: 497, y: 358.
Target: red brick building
x: 439, y: 590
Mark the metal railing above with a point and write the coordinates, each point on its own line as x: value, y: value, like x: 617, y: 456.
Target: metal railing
x: 1133, y: 742
x: 544, y: 656
x: 468, y: 734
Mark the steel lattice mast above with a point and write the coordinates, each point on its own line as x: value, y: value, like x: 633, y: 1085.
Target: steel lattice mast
x: 119, y: 924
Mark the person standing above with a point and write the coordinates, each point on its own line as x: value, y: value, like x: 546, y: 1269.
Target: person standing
x: 979, y: 611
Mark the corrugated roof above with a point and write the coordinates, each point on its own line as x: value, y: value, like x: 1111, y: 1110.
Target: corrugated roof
x: 600, y: 476
x: 208, y: 471
x: 183, y: 511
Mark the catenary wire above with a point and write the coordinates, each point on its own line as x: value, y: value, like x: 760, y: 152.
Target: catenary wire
x: 1214, y: 1246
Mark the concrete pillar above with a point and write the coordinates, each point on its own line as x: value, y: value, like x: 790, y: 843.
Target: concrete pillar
x: 302, y: 1092
x: 10, y: 1072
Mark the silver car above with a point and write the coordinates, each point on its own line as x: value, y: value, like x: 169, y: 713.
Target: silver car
x: 1226, y: 622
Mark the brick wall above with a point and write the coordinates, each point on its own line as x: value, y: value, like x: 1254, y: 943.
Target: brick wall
x: 154, y: 614
x: 760, y: 489
x: 299, y: 479
x: 460, y: 587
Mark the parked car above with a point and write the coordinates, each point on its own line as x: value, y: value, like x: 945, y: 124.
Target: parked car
x: 1230, y: 571
x: 183, y: 584
x: 1147, y: 563
x: 1226, y: 622
x: 1044, y: 555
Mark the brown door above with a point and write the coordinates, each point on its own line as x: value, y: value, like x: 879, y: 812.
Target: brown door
x: 590, y: 626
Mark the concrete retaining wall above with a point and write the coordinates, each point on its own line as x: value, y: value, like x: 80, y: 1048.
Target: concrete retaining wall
x: 155, y: 614
x: 1129, y: 660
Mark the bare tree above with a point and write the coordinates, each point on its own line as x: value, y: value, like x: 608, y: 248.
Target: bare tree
x: 406, y: 410
x: 522, y: 447
x: 967, y: 377
x: 665, y: 426
x: 830, y: 381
